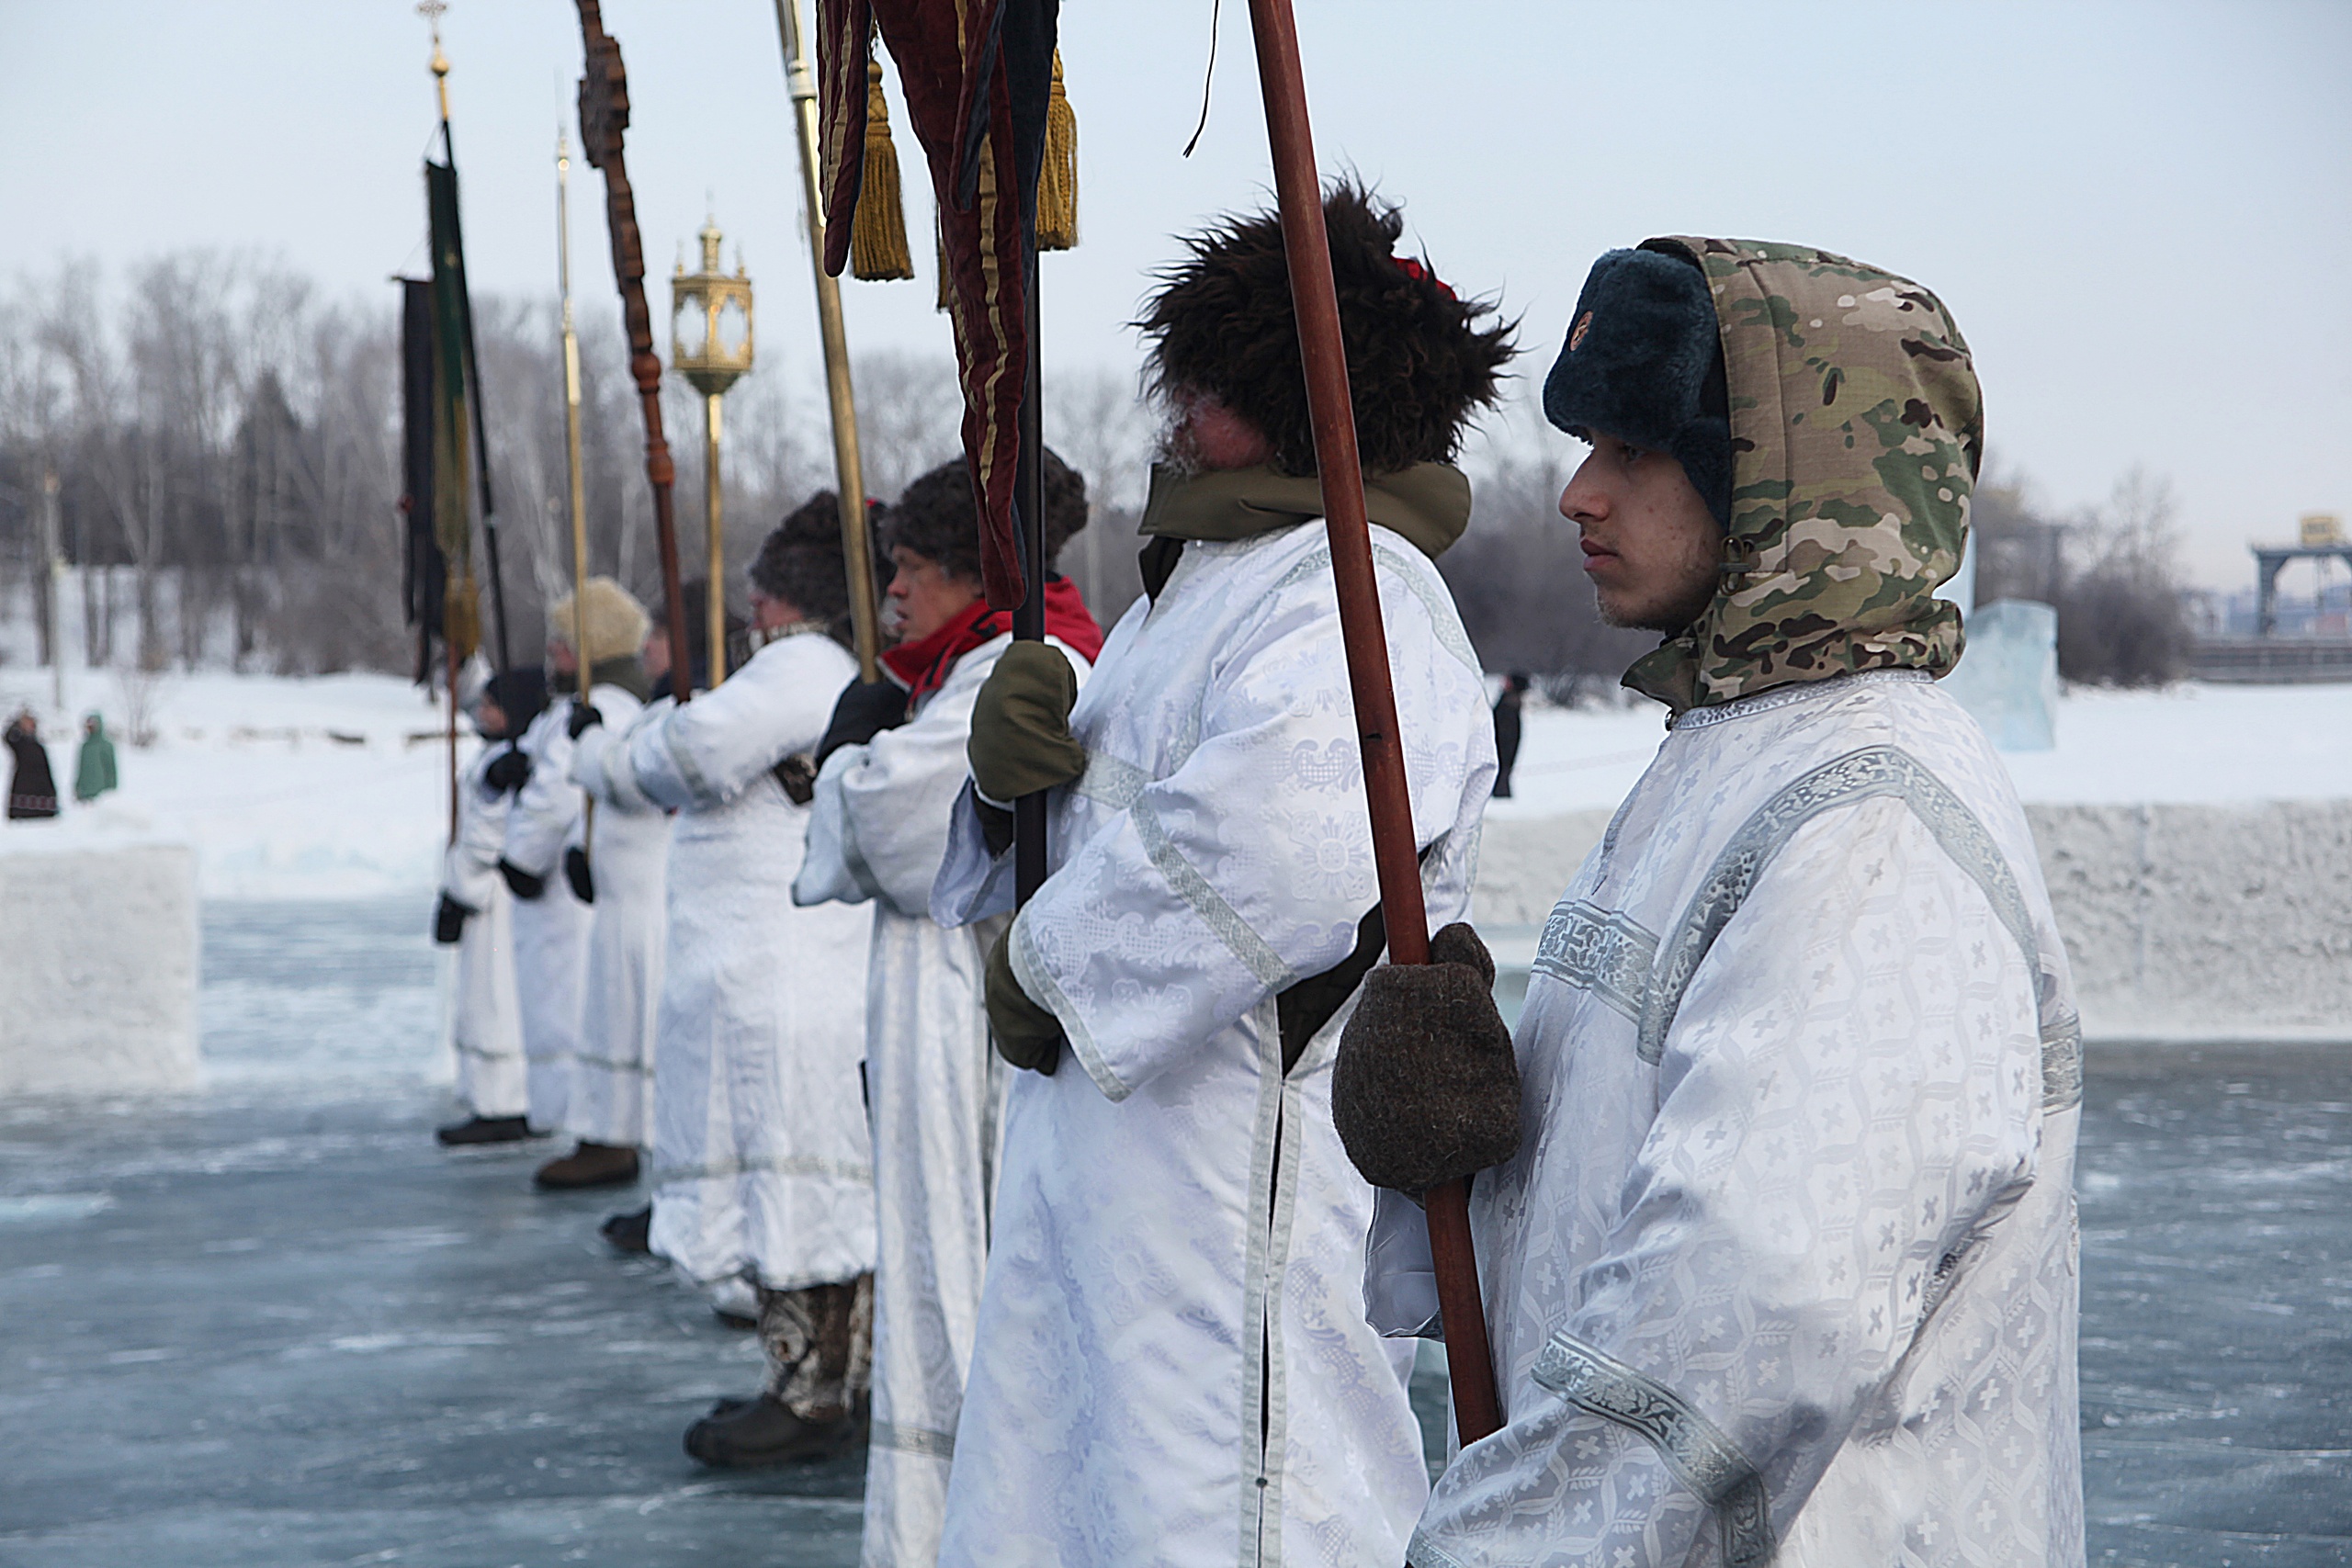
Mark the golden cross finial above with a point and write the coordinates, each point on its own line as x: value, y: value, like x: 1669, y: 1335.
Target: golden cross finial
x: 431, y: 11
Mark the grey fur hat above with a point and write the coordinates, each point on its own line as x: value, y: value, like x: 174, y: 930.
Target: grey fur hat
x: 936, y: 518
x: 800, y: 562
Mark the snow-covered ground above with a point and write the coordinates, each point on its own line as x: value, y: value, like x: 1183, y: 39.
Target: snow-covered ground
x: 330, y: 787
x: 337, y: 786
x: 2189, y: 744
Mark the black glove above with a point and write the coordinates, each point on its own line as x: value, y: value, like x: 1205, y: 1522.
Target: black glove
x: 1026, y: 1035
x: 863, y: 711
x: 1426, y: 1085
x: 583, y: 717
x: 798, y: 777
x: 510, y: 770
x: 521, y: 883
x: 1021, y: 740
x: 450, y: 920
x: 575, y: 870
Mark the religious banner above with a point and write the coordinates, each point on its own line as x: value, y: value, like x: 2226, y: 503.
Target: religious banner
x: 978, y: 77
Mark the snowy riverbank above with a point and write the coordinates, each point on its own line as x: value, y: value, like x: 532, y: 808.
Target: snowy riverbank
x: 335, y: 787
x: 2189, y: 744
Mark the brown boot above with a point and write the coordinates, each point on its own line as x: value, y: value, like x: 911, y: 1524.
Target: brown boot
x: 590, y: 1165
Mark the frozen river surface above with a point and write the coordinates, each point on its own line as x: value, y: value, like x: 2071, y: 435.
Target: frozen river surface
x: 272, y: 1325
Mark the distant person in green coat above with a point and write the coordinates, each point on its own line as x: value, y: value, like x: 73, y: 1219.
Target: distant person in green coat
x: 94, y: 765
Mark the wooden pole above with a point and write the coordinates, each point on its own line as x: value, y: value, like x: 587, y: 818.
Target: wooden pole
x: 603, y: 116
x: 849, y: 478
x: 1299, y: 194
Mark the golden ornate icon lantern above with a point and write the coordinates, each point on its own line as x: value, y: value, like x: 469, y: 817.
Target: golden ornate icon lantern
x: 710, y: 345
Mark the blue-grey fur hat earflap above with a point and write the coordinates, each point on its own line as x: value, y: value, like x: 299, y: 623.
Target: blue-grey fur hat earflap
x: 1643, y: 363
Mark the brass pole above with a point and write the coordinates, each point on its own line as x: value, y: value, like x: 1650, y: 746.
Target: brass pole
x: 571, y: 444
x: 449, y: 661
x: 857, y: 552
x: 715, y: 623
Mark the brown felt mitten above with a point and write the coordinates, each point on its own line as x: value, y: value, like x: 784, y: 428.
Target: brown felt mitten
x: 1426, y: 1086
x: 1026, y: 1035
x: 1021, y: 741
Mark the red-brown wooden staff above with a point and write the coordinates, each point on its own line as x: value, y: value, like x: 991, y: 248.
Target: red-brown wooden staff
x: 604, y: 116
x: 1299, y: 194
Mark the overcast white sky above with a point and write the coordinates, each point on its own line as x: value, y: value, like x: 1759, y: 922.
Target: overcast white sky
x: 2130, y: 208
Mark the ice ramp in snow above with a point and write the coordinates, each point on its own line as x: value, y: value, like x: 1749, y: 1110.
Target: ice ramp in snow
x: 98, y: 964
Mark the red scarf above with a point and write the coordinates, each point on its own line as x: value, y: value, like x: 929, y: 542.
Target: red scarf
x: 922, y: 667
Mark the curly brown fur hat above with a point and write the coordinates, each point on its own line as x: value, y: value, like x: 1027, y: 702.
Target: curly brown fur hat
x: 935, y: 516
x: 800, y: 561
x: 1420, y: 361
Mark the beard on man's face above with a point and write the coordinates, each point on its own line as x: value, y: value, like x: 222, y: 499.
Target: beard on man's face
x: 1679, y: 591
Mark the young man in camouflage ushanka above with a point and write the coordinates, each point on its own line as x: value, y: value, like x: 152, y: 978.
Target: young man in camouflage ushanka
x: 1782, y: 1266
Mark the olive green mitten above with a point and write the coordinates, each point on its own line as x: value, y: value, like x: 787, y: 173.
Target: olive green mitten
x: 1027, y: 1035
x: 1021, y: 741
x: 1425, y: 1087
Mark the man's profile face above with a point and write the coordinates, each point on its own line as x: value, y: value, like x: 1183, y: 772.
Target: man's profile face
x: 1650, y: 545
x: 924, y: 595
x: 1204, y: 435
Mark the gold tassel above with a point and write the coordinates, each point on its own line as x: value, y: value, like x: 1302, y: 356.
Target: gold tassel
x: 1058, y: 180
x: 878, y: 231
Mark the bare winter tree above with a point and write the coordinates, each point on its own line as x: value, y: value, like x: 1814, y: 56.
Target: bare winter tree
x: 2110, y: 571
x: 910, y: 418
x: 2121, y: 618
x: 1097, y: 423
x: 1519, y: 579
x: 231, y: 445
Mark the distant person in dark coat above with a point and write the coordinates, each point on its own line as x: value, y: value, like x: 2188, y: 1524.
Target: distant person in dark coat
x: 1507, y: 731
x: 32, y: 788
x: 94, y: 764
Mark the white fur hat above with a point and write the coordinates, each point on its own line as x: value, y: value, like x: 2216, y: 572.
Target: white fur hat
x: 617, y: 623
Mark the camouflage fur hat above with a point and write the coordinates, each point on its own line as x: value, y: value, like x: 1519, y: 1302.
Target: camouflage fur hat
x: 1857, y: 430
x: 936, y: 518
x: 1421, y: 361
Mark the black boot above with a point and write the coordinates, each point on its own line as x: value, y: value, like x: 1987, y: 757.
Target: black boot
x: 631, y: 1234
x: 758, y: 1433
x: 483, y: 1130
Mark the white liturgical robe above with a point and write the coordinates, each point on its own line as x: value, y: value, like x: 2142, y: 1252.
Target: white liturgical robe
x: 1173, y: 1365
x: 487, y: 1031
x: 1784, y: 1268
x: 612, y: 1076
x: 936, y: 1090
x: 551, y: 930
x: 761, y: 1165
